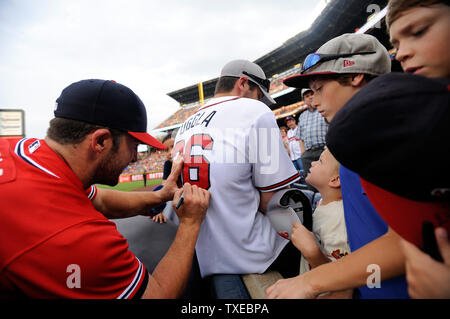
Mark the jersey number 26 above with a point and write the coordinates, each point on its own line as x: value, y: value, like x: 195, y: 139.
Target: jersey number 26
x: 196, y: 167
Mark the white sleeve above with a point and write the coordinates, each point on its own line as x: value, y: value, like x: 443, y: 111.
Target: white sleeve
x: 333, y: 237
x: 272, y: 168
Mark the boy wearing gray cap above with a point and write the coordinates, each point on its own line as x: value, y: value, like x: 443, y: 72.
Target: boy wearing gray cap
x: 336, y: 72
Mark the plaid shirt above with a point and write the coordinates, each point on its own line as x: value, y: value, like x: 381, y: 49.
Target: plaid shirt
x: 313, y: 128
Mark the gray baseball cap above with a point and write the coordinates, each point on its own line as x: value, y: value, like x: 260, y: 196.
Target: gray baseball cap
x: 348, y: 53
x: 253, y: 72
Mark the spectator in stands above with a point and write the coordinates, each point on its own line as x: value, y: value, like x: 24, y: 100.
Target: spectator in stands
x: 419, y: 33
x: 389, y: 176
x: 95, y: 133
x: 328, y: 241
x: 284, y: 138
x: 313, y: 129
x: 336, y: 72
x: 168, y: 142
x: 293, y: 135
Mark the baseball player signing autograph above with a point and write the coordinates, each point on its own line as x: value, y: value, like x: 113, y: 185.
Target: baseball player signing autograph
x: 232, y: 147
x: 57, y: 240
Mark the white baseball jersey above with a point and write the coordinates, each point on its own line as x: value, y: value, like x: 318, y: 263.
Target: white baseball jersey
x: 233, y: 148
x: 293, y: 136
x: 330, y: 232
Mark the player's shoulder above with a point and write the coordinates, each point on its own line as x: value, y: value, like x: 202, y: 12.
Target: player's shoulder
x: 256, y: 104
x: 252, y: 109
x: 8, y: 144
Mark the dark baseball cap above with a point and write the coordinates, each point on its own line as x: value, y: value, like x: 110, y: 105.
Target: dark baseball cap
x: 394, y: 133
x: 288, y: 118
x: 106, y: 103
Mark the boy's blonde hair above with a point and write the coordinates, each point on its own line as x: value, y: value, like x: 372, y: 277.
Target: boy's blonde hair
x: 396, y: 7
x: 336, y: 164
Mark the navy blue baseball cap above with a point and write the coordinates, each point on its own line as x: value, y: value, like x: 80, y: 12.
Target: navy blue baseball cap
x: 106, y: 103
x: 394, y: 134
x: 288, y: 118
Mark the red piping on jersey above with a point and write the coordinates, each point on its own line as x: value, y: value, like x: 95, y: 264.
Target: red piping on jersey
x: 235, y: 98
x: 290, y: 179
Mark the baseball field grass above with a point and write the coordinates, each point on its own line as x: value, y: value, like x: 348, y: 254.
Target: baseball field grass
x: 132, y: 185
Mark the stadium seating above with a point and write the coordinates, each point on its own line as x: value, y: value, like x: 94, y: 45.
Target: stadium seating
x: 153, y: 162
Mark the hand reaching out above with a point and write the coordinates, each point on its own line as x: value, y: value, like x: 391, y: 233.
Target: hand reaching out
x: 159, y: 218
x: 426, y: 277
x: 304, y: 240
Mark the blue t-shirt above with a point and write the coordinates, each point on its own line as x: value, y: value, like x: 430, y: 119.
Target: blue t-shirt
x: 364, y: 225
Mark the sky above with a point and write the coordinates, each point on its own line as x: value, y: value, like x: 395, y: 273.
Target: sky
x: 154, y: 47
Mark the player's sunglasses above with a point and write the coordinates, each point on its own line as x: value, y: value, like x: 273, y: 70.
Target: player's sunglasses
x: 313, y: 59
x: 263, y: 82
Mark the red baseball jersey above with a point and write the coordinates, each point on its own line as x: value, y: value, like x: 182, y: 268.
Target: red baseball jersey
x: 54, y: 244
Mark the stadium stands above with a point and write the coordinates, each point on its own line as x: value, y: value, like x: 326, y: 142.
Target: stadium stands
x: 153, y: 162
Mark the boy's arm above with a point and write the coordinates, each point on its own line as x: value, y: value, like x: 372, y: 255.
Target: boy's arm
x: 304, y: 240
x: 349, y: 272
x: 317, y: 259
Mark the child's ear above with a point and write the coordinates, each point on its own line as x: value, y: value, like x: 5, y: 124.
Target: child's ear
x: 335, y: 182
x: 357, y: 80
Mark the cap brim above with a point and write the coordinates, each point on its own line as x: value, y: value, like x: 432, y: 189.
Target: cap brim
x: 267, y: 99
x: 406, y: 216
x: 146, y: 138
x: 301, y: 81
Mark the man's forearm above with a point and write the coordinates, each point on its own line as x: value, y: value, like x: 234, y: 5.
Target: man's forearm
x: 117, y: 204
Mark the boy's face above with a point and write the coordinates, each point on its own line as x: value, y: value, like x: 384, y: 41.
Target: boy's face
x: 169, y: 144
x: 323, y: 170
x: 329, y: 96
x: 422, y: 39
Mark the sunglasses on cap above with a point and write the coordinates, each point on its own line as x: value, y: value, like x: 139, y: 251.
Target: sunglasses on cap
x: 313, y: 59
x: 264, y: 82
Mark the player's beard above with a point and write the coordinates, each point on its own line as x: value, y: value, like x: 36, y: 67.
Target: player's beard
x: 109, y: 170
